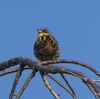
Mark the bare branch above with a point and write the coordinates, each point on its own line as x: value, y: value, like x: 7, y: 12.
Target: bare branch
x: 96, y: 80
x: 92, y: 90
x: 72, y: 62
x: 11, y: 71
x: 25, y: 85
x: 33, y: 64
x: 18, y: 60
x: 69, y: 86
x: 83, y: 77
x: 58, y: 82
x: 42, y: 67
x: 18, y: 75
x: 56, y: 96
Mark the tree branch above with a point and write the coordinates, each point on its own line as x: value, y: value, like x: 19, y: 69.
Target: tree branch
x: 83, y: 77
x: 42, y: 67
x: 25, y: 85
x: 56, y: 96
x: 18, y: 75
x: 96, y: 80
x: 92, y: 90
x: 61, y: 85
x: 78, y: 63
x: 5, y: 72
x: 69, y: 86
x: 16, y: 61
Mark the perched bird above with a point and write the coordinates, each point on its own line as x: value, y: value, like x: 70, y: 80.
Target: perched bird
x: 46, y: 47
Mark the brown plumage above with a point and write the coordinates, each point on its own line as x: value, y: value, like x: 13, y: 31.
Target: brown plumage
x: 46, y: 47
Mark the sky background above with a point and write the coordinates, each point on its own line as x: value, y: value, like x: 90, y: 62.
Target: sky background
x: 74, y: 23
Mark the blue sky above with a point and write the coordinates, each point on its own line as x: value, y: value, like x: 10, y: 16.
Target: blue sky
x: 74, y: 23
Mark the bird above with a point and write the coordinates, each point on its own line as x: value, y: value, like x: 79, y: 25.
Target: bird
x: 46, y: 47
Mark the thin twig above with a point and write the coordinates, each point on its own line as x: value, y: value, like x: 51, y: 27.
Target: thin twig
x: 95, y: 89
x: 25, y: 85
x: 96, y: 80
x: 69, y: 86
x: 56, y: 96
x: 61, y: 85
x: 18, y: 75
x: 92, y: 90
x: 11, y: 71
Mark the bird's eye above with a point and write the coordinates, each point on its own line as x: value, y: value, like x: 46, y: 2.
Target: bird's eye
x: 39, y: 31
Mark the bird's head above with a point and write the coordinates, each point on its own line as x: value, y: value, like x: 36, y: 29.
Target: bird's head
x: 42, y: 32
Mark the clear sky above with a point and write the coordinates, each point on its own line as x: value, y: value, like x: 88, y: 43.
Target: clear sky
x: 74, y: 23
